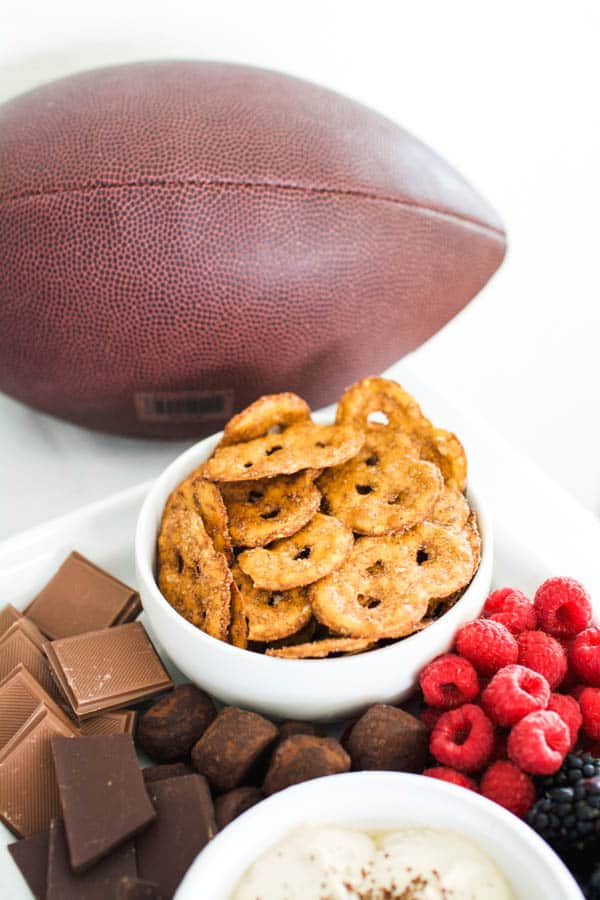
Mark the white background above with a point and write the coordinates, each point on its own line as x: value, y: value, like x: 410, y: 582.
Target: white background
x: 507, y: 91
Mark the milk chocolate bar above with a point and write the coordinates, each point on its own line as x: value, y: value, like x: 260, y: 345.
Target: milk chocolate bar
x: 20, y: 695
x: 107, y: 669
x: 22, y: 643
x: 8, y: 616
x: 102, y: 795
x: 98, y: 883
x: 28, y: 789
x: 82, y: 597
x: 119, y: 722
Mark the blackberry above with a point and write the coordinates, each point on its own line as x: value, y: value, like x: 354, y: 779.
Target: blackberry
x: 591, y: 888
x: 567, y: 815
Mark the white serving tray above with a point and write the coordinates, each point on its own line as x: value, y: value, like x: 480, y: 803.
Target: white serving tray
x: 538, y: 530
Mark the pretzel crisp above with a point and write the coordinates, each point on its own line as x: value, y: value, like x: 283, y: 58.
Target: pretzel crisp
x: 263, y: 511
x: 379, y: 398
x: 192, y: 575
x: 205, y: 498
x: 273, y: 411
x: 271, y: 615
x: 451, y: 510
x: 310, y: 554
x: 381, y: 493
x: 383, y: 589
x: 320, y: 649
x: 303, y: 446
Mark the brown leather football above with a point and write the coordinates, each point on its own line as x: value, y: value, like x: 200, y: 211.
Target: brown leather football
x: 177, y: 238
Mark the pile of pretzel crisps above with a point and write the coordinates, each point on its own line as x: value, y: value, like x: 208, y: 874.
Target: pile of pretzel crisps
x: 304, y: 540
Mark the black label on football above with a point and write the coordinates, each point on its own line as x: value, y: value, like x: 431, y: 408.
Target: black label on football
x: 184, y: 406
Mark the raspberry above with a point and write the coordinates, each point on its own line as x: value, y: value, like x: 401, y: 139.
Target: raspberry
x: 514, y: 692
x: 449, y: 681
x: 443, y: 773
x: 569, y: 710
x: 539, y: 743
x: 463, y: 738
x: 504, y: 783
x: 487, y: 644
x: 585, y: 656
x: 543, y: 653
x: 589, y: 702
x: 429, y: 717
x: 512, y: 609
x: 563, y: 606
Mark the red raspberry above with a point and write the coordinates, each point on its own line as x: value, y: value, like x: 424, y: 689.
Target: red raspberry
x: 539, y: 743
x: 512, y: 609
x: 585, y: 656
x: 463, y: 738
x: 563, y: 606
x: 543, y: 653
x: 449, y: 681
x: 487, y: 644
x: 569, y: 710
x: 504, y: 783
x: 443, y: 773
x: 589, y: 702
x: 514, y: 692
x: 429, y: 717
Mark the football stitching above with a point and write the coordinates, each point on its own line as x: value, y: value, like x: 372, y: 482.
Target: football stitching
x: 200, y: 183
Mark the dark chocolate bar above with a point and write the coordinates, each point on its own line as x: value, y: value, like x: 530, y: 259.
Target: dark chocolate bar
x: 99, y: 883
x: 31, y: 856
x: 102, y: 795
x: 82, y: 597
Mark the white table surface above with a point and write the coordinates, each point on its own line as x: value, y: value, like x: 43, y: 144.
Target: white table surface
x: 507, y: 91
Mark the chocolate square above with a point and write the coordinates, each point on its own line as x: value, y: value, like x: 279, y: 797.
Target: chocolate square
x: 22, y: 643
x: 102, y: 795
x: 28, y: 789
x: 82, y: 597
x: 119, y: 722
x: 20, y: 695
x: 31, y: 856
x: 8, y: 616
x: 107, y: 669
x: 99, y: 883
x: 184, y: 825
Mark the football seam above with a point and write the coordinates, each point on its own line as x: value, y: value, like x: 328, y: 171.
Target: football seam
x: 332, y: 192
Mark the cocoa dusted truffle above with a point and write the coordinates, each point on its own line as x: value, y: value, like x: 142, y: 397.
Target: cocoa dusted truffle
x: 291, y: 726
x: 302, y: 757
x: 231, y: 745
x: 232, y: 804
x: 169, y: 729
x: 386, y: 737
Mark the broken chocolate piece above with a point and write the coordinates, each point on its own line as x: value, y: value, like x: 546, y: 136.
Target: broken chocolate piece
x: 107, y: 669
x: 82, y: 597
x: 232, y: 804
x: 8, y: 616
x: 28, y: 789
x: 389, y: 738
x: 20, y: 695
x: 136, y: 889
x: 168, y: 770
x: 231, y: 745
x: 118, y: 722
x: 102, y: 795
x: 31, y: 856
x: 184, y: 825
x: 302, y: 757
x: 169, y: 729
x: 98, y: 883
x: 22, y: 643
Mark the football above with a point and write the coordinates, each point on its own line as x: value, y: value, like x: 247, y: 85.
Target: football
x: 178, y: 238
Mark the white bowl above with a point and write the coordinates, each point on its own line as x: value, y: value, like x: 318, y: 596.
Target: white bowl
x: 319, y: 689
x: 378, y: 801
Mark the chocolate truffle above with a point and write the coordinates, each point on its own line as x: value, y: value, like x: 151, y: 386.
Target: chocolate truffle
x: 302, y: 757
x: 170, y: 728
x: 291, y: 726
x: 231, y: 745
x: 232, y: 804
x: 386, y: 737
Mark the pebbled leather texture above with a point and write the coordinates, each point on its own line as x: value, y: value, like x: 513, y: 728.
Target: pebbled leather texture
x: 177, y: 238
